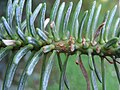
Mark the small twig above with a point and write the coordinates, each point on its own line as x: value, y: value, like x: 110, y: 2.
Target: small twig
x: 108, y: 60
x: 84, y: 72
x: 117, y: 61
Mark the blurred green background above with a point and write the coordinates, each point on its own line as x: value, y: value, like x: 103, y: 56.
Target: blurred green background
x: 76, y: 79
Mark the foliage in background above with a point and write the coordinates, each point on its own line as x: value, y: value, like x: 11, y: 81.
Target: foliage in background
x: 65, y: 32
